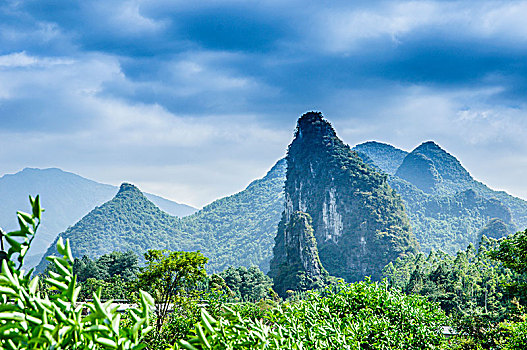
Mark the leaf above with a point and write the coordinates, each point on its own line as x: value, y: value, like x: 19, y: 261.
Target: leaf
x: 148, y: 298
x: 28, y: 220
x: 7, y: 290
x: 68, y: 254
x: 186, y: 345
x: 14, y: 244
x: 202, y: 336
x: 106, y: 342
x: 35, y: 204
x: 59, y: 285
x: 60, y: 247
x: 12, y: 316
x: 33, y: 285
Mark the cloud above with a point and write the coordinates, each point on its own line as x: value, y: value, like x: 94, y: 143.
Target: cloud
x: 21, y: 59
x: 193, y: 100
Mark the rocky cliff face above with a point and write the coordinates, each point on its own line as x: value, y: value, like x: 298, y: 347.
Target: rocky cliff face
x: 359, y: 223
x: 297, y: 265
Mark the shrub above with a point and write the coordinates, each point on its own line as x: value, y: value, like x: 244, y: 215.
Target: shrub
x: 361, y: 315
x: 31, y: 319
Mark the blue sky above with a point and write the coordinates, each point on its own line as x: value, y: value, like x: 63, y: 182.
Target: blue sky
x: 193, y: 100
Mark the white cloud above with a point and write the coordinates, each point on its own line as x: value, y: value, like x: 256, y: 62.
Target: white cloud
x: 21, y: 59
x: 72, y: 125
x: 345, y: 29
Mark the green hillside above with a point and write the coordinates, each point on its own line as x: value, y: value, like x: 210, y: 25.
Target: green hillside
x: 384, y: 156
x: 67, y: 197
x: 236, y: 230
x: 447, y: 208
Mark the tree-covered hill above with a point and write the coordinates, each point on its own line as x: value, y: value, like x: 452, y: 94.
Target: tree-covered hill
x: 446, y: 206
x: 236, y: 230
x: 240, y: 229
x: 67, y: 197
x: 333, y: 197
x: 384, y: 156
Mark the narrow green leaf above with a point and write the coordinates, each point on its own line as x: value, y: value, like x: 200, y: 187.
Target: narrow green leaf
x: 33, y: 285
x: 186, y: 345
x: 106, y: 342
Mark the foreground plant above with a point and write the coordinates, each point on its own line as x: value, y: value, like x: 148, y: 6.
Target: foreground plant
x: 30, y: 319
x: 361, y: 315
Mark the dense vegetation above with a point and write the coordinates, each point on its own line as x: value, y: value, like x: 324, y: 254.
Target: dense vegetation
x: 236, y: 230
x: 67, y: 198
x: 362, y: 315
x: 480, y: 292
x: 239, y: 229
x: 358, y: 221
x: 44, y: 314
x: 381, y: 155
x: 447, y: 208
x: 245, y: 284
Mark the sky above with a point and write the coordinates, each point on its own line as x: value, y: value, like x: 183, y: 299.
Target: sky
x: 194, y: 100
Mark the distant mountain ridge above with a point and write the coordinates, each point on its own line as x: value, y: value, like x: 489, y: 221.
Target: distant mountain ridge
x: 235, y: 230
x: 454, y: 211
x: 381, y: 155
x: 67, y: 197
x: 446, y: 206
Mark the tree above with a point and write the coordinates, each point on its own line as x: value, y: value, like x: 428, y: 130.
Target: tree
x: 512, y: 252
x: 168, y: 273
x: 247, y: 284
x: 125, y: 265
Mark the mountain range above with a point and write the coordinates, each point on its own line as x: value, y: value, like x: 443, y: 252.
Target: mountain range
x: 67, y: 197
x: 446, y: 208
x: 237, y: 230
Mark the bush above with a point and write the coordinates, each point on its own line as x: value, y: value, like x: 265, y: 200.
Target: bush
x: 362, y: 315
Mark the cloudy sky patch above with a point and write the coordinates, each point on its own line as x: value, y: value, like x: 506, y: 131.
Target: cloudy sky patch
x: 194, y: 100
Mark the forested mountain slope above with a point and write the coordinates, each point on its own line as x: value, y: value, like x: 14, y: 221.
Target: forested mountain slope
x: 358, y: 221
x: 384, y: 156
x: 67, y: 197
x: 235, y: 230
x: 446, y: 206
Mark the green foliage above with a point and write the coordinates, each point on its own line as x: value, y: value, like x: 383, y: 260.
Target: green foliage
x: 112, y: 288
x: 362, y: 315
x: 235, y: 230
x: 512, y: 252
x: 30, y: 319
x: 247, y: 284
x: 465, y: 285
x: 434, y: 186
x: 125, y: 265
x: 166, y: 274
x: 383, y: 156
x: 452, y: 222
